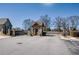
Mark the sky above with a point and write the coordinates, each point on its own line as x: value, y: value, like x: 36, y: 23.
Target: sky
x: 18, y: 12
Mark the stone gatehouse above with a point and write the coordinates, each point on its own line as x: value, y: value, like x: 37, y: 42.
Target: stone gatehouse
x: 37, y: 28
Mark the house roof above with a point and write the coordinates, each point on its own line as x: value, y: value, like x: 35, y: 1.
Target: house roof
x: 38, y: 22
x: 3, y: 20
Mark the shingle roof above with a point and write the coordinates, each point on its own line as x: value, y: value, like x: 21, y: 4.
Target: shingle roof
x: 3, y: 20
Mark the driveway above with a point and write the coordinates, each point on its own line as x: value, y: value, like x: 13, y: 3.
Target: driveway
x: 35, y: 45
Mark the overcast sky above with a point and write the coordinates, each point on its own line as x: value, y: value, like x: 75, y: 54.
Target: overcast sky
x: 18, y: 12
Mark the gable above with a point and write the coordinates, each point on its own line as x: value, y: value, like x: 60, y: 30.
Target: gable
x: 4, y: 21
x: 36, y: 25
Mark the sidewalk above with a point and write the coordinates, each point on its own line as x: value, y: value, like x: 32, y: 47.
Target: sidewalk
x: 69, y: 38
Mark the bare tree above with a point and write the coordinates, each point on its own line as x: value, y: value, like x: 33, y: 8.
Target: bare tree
x: 61, y: 23
x: 74, y: 22
x: 46, y: 19
x: 65, y: 24
x: 27, y: 23
x: 58, y: 23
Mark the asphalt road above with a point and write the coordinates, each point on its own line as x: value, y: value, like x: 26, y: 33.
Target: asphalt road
x: 35, y: 45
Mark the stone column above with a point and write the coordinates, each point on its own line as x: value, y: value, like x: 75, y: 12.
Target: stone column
x: 2, y: 31
x: 28, y: 32
x: 13, y: 32
x: 34, y: 32
x: 8, y: 32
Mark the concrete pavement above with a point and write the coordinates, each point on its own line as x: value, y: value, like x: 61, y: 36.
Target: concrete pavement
x: 36, y: 45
